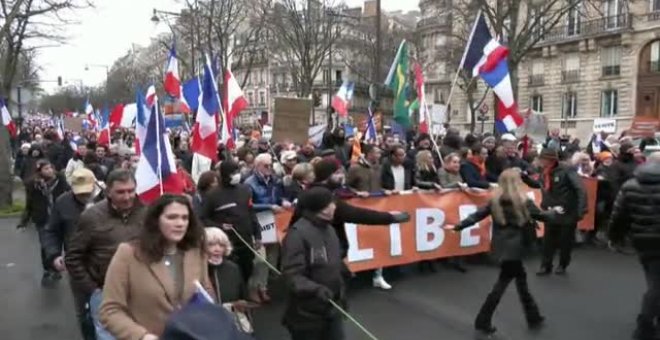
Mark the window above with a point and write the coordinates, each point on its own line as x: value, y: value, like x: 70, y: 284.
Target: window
x: 250, y: 98
x: 611, y: 61
x: 569, y: 105
x: 573, y: 18
x: 338, y: 77
x: 655, y: 5
x: 326, y: 76
x: 612, y: 11
x: 571, y: 68
x: 537, y: 20
x: 537, y: 103
x: 609, y: 104
x: 262, y: 98
x: 536, y: 72
x: 655, y: 56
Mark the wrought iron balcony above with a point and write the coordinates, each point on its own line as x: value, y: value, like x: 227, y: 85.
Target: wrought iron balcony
x: 536, y: 80
x: 586, y: 29
x: 571, y: 76
x: 653, y: 16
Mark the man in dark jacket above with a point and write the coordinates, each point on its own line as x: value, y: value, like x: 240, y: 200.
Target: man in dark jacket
x: 637, y: 211
x: 312, y: 265
x: 328, y: 175
x: 560, y: 187
x: 229, y: 207
x: 41, y: 192
x: 63, y: 222
x: 396, y: 175
x: 623, y: 167
x: 101, y: 228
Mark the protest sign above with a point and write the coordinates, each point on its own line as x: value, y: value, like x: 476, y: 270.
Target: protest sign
x: 643, y: 126
x: 74, y: 124
x: 291, y: 120
x: 606, y: 125
x: 424, y: 236
x: 267, y: 223
x: 534, y: 127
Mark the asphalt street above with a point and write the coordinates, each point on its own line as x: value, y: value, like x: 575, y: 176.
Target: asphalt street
x: 599, y: 299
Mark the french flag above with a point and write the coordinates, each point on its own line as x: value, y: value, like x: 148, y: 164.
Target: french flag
x: 156, y: 171
x: 123, y: 116
x: 342, y: 100
x: 191, y: 92
x: 89, y: 109
x: 486, y: 57
x: 172, y: 82
x: 205, y: 133
x: 104, y: 133
x: 59, y: 127
x: 233, y: 103
x: 6, y: 119
x: 141, y: 118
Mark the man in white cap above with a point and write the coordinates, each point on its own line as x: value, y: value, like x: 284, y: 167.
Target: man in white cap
x: 63, y: 222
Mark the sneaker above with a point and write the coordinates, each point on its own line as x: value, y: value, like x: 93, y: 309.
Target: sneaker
x: 487, y: 330
x: 537, y: 324
x: 379, y: 282
x: 544, y: 271
x: 561, y: 270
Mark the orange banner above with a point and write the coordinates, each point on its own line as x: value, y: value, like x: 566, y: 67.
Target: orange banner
x: 423, y: 237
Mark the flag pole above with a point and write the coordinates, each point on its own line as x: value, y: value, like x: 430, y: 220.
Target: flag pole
x: 158, y: 139
x: 460, y: 65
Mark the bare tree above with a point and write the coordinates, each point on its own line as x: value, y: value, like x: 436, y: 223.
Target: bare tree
x: 25, y: 26
x: 303, y: 33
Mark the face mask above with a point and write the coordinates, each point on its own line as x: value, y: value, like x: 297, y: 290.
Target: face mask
x: 235, y: 179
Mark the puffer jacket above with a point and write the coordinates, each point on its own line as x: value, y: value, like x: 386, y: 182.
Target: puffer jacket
x: 636, y: 210
x: 264, y: 193
x: 509, y: 239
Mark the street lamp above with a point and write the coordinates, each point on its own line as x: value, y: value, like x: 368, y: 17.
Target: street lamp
x: 156, y: 18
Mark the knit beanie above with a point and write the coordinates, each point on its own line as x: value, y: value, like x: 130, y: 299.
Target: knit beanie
x: 227, y: 168
x: 324, y: 169
x: 315, y: 199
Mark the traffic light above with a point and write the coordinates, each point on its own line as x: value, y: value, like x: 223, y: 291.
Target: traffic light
x: 59, y: 81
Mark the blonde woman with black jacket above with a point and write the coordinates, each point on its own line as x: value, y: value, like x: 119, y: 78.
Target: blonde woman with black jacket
x: 513, y: 214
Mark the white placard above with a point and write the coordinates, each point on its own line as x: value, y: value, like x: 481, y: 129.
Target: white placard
x: 438, y: 113
x: 267, y: 132
x: 606, y: 125
x: 267, y: 224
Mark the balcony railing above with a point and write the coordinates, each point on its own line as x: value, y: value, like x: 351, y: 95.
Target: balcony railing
x: 611, y: 70
x: 536, y: 80
x: 653, y: 16
x: 571, y: 76
x: 598, y: 27
x: 435, y: 21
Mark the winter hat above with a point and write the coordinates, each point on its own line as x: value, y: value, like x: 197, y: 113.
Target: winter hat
x: 508, y: 137
x: 549, y: 153
x: 315, y: 199
x: 83, y: 181
x: 327, y: 153
x: 26, y: 146
x: 227, y: 168
x: 324, y: 169
x: 288, y: 155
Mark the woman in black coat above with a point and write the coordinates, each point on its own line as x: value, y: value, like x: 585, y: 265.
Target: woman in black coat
x: 513, y: 214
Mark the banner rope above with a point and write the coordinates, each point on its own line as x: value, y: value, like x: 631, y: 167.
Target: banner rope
x: 334, y: 304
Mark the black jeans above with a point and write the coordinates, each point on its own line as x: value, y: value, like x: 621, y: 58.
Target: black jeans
x: 333, y: 329
x: 47, y: 267
x: 85, y: 322
x: 244, y: 258
x: 651, y: 300
x: 558, y: 237
x: 509, y: 270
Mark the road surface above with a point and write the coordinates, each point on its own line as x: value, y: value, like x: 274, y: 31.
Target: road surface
x: 599, y: 299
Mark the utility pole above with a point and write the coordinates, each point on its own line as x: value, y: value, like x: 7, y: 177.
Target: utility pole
x: 379, y: 43
x: 19, y: 102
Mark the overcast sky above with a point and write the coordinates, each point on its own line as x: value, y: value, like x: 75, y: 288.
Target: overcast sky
x: 106, y: 32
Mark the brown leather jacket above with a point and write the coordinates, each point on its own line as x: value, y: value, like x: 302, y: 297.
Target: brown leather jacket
x: 100, y: 231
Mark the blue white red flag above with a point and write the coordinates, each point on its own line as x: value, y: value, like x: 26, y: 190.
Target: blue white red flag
x: 104, y: 131
x: 141, y: 120
x: 485, y: 56
x: 156, y: 171
x: 205, y: 129
x: 342, y: 100
x: 172, y: 82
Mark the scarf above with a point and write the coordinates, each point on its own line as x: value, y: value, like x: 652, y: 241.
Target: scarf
x: 479, y: 163
x: 46, y: 189
x: 547, y: 176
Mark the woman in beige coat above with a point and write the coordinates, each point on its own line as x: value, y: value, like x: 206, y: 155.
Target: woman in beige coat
x: 150, y: 278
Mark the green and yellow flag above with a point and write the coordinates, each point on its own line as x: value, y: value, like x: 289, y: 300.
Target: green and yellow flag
x: 398, y: 80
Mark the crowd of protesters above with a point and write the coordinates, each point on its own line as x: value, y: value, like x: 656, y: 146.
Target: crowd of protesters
x: 126, y: 262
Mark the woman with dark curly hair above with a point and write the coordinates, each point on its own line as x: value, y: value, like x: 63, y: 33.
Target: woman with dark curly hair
x: 150, y: 278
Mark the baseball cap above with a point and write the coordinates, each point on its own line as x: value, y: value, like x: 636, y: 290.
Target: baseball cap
x: 82, y: 181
